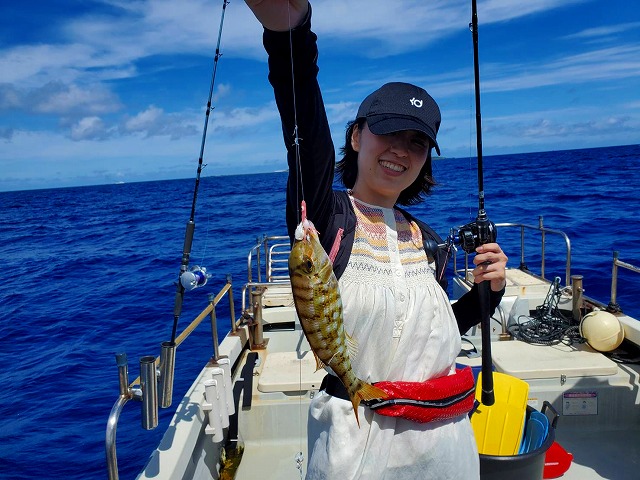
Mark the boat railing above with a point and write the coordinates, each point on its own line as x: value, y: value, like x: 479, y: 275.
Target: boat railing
x: 617, y: 263
x: 269, y: 260
x: 543, y: 231
x: 267, y: 264
x: 154, y: 386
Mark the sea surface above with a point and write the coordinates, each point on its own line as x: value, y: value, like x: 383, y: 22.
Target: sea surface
x: 90, y: 271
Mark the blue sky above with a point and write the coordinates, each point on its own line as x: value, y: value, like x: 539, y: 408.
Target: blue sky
x: 96, y: 92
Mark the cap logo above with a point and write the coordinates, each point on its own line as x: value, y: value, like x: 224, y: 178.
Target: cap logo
x: 416, y: 103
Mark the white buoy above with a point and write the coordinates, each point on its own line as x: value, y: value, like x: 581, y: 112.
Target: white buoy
x: 211, y: 407
x: 602, y: 330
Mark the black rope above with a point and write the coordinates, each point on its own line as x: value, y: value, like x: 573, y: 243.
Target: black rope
x: 548, y: 325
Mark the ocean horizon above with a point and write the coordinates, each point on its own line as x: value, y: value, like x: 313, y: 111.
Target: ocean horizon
x: 279, y: 169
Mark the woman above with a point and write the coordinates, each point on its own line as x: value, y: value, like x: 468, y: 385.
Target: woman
x: 393, y: 305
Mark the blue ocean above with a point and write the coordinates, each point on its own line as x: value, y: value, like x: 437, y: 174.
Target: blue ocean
x: 91, y: 271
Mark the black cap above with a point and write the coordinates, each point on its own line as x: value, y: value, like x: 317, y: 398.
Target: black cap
x: 400, y: 106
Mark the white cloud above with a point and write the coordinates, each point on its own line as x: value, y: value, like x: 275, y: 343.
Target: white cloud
x: 242, y: 119
x: 604, y: 31
x: 154, y: 122
x: 58, y: 98
x: 83, y: 72
x: 89, y: 128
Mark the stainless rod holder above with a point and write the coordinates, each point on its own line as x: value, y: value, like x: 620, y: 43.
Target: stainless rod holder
x: 149, y: 384
x: 167, y: 368
x: 123, y: 373
x: 256, y: 303
x: 576, y: 296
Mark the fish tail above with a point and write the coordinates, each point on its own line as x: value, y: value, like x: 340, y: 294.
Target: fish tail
x: 366, y: 391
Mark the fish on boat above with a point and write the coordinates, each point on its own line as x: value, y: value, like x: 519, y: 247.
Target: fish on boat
x: 319, y: 307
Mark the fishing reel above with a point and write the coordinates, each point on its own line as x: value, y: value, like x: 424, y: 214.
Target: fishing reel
x: 473, y: 234
x: 194, y: 278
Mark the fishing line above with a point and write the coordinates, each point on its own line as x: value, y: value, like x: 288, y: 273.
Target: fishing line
x: 299, y: 457
x: 471, y: 133
x: 296, y: 138
x: 207, y: 230
x: 190, y: 229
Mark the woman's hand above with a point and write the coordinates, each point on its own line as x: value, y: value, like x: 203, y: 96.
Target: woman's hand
x: 491, y: 263
x: 279, y: 15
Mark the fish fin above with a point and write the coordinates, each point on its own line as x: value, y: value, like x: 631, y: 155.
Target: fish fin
x: 371, y: 392
x: 366, y: 392
x: 319, y: 363
x: 352, y: 346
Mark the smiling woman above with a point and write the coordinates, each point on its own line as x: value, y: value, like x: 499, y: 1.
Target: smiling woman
x: 393, y: 306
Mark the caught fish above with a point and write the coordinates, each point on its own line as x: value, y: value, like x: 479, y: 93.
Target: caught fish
x: 319, y: 307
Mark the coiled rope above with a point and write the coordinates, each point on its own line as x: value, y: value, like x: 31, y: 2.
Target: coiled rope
x: 548, y: 326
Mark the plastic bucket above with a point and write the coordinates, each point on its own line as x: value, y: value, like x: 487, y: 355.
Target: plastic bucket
x: 527, y: 466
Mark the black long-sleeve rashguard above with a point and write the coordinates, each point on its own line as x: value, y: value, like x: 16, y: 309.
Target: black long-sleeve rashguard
x: 293, y: 74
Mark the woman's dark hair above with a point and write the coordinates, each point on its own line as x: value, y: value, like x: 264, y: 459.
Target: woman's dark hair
x: 347, y: 170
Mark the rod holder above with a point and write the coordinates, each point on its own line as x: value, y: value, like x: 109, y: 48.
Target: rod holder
x: 167, y: 368
x: 225, y: 364
x: 123, y: 373
x: 576, y: 297
x: 149, y: 385
x: 258, y: 332
x: 221, y: 398
x: 211, y: 407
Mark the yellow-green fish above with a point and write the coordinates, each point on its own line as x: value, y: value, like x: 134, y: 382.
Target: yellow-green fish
x: 319, y: 307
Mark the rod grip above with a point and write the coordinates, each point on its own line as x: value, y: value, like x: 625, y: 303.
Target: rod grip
x: 488, y: 396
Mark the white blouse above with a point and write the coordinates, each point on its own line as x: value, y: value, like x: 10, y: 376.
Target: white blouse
x: 406, y: 330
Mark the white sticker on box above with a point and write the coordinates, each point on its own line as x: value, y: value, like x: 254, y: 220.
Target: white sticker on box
x: 580, y: 403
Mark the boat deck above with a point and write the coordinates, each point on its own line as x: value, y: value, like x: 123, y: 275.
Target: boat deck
x: 608, y: 454
x: 605, y: 444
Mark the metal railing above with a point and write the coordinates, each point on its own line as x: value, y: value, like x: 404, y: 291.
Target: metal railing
x: 543, y: 231
x: 274, y: 257
x: 155, y: 384
x: 613, y: 305
x: 268, y: 259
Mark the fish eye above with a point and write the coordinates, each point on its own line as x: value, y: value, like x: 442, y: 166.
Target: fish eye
x: 307, y: 264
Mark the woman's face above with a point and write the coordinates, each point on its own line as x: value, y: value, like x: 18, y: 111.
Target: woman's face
x: 387, y: 164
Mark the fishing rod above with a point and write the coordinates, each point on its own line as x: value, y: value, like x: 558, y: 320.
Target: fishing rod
x: 197, y: 276
x: 149, y: 393
x: 480, y: 231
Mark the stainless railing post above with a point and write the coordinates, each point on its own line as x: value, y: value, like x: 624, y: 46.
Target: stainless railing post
x: 542, y: 232
x: 214, y: 328
x: 112, y: 422
x: 613, y: 304
x: 232, y: 310
x: 523, y: 265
